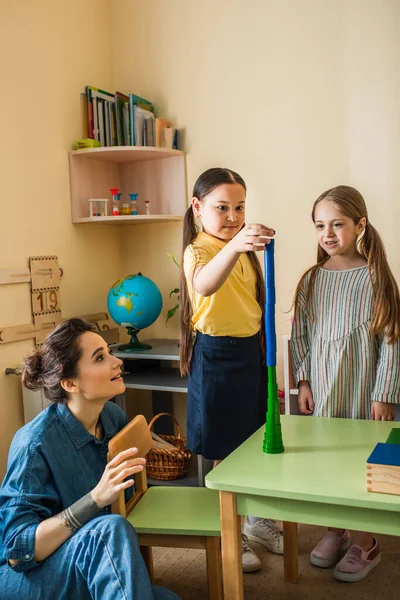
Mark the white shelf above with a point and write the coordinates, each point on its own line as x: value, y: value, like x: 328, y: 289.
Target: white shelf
x: 123, y: 154
x: 129, y: 219
x: 161, y: 349
x: 164, y: 380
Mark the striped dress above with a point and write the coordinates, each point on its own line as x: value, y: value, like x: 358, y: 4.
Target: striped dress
x: 346, y: 367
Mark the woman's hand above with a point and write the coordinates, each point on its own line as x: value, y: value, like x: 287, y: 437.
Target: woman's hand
x: 381, y: 411
x: 305, y: 399
x: 112, y: 480
x: 252, y: 237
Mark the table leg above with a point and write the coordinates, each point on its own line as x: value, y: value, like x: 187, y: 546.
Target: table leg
x: 290, y: 553
x: 231, y: 547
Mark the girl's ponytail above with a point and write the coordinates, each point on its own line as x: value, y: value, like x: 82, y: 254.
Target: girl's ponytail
x: 386, y: 314
x: 186, y: 335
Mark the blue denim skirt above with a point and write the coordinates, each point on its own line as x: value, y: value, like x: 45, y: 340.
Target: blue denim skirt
x: 227, y: 394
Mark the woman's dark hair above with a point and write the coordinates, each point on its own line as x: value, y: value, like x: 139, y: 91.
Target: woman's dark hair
x: 56, y: 360
x: 205, y: 184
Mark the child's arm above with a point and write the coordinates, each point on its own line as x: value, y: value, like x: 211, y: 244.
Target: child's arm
x: 300, y: 348
x: 208, y: 278
x: 305, y: 398
x: 386, y: 392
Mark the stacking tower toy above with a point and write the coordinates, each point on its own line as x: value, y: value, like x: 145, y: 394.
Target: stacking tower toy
x: 273, y: 433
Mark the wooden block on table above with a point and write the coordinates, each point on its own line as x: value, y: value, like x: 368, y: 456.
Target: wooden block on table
x: 383, y: 469
x: 394, y: 437
x: 385, y: 454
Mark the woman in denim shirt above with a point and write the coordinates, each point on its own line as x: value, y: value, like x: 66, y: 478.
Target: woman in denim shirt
x: 57, y: 536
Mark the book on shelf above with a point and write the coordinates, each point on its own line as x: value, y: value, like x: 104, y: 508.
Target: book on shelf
x: 137, y: 101
x: 94, y: 95
x: 107, y: 123
x: 100, y: 116
x: 123, y: 120
x: 120, y: 102
x: 84, y: 116
x: 143, y: 122
x: 125, y: 114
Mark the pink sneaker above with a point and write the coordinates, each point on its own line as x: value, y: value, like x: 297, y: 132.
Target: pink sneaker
x: 357, y: 563
x: 326, y: 553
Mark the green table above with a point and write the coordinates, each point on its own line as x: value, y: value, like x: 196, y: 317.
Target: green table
x: 320, y: 479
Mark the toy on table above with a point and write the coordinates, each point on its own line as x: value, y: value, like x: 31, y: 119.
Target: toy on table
x: 98, y: 207
x: 134, y: 302
x: 383, y: 466
x: 115, y: 197
x: 133, y: 198
x: 273, y: 432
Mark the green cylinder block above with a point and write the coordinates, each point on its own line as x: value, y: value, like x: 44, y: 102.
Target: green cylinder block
x: 273, y: 443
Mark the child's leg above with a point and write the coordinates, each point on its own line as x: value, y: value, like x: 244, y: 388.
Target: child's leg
x: 362, y: 556
x: 328, y: 550
x: 265, y: 532
x: 362, y: 539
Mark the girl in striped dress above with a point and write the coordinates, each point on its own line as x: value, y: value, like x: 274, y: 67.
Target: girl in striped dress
x: 345, y: 344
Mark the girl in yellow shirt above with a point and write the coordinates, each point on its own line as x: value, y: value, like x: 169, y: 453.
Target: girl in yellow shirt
x: 222, y: 303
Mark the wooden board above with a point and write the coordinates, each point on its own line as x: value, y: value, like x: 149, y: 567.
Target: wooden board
x: 44, y: 275
x: 384, y: 479
x: 383, y: 467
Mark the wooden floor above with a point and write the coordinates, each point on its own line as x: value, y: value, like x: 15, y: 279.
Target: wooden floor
x: 184, y: 572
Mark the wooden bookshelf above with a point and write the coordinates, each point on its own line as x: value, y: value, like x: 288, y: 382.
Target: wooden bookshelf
x: 156, y: 174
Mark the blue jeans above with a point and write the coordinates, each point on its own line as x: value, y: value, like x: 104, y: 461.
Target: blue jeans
x: 101, y: 561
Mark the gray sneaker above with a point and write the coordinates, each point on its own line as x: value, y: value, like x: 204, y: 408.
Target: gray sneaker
x: 250, y: 561
x: 267, y: 533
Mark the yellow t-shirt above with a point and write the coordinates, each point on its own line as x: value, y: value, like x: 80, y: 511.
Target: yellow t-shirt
x: 233, y: 310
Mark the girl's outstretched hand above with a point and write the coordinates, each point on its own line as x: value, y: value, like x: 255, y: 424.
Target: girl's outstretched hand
x: 381, y: 411
x: 116, y: 471
x: 305, y: 399
x: 252, y: 237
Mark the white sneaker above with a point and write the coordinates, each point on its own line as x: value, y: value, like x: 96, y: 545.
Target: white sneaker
x: 250, y: 561
x: 267, y: 533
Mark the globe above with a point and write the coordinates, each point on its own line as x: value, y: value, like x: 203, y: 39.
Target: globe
x: 134, y: 302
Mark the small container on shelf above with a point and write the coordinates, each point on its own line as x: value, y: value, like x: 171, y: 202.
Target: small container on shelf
x: 125, y: 210
x: 116, y: 197
x: 147, y: 207
x: 98, y: 207
x: 133, y: 198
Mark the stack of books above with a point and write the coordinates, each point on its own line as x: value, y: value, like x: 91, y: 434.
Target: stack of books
x: 123, y: 120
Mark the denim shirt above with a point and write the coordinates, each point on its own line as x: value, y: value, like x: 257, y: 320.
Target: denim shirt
x: 53, y: 461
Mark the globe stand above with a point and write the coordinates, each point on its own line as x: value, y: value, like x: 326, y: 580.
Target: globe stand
x: 134, y: 345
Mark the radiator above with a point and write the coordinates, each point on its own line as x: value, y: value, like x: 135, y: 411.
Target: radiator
x: 34, y: 402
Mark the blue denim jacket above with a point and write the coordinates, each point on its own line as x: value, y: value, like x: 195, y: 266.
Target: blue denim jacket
x: 53, y: 461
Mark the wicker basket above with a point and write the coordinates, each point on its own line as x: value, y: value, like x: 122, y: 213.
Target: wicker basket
x: 165, y: 463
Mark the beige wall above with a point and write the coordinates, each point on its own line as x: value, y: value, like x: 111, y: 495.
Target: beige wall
x: 48, y: 56
x: 297, y: 96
